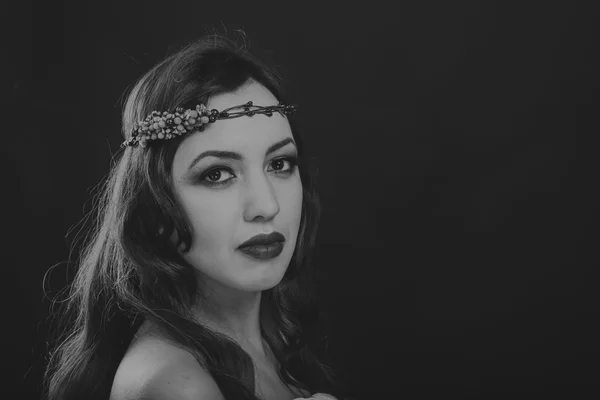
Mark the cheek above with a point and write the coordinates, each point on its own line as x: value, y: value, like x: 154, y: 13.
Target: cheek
x: 293, y: 201
x: 298, y: 202
x: 212, y: 222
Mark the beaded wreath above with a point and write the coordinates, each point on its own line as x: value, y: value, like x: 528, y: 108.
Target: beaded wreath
x: 167, y: 125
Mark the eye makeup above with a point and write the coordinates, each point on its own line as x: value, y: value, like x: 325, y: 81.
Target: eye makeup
x: 213, y: 174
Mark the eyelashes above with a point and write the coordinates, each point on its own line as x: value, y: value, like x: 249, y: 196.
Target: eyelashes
x: 222, y: 175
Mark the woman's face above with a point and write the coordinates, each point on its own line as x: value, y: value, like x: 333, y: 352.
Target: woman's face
x: 254, y: 189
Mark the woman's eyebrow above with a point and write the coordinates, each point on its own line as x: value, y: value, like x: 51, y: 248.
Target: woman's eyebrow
x: 237, y: 156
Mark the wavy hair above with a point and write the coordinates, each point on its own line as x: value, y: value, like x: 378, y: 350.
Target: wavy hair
x: 129, y: 271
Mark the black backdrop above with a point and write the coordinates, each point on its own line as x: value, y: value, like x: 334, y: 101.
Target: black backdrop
x: 455, y: 220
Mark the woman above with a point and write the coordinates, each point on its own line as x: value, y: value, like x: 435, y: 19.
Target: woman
x: 196, y: 282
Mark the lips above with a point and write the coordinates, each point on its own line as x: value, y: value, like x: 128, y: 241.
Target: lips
x: 264, y: 240
x: 263, y: 252
x: 263, y: 246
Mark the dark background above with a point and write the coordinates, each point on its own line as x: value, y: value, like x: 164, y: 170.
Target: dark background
x: 456, y: 241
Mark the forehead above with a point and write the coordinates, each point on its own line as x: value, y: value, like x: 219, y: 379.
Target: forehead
x: 242, y: 134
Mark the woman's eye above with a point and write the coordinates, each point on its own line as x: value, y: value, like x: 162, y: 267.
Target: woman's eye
x: 278, y: 165
x: 283, y: 165
x: 216, y: 176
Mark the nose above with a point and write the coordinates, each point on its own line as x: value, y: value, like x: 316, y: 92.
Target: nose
x: 260, y: 201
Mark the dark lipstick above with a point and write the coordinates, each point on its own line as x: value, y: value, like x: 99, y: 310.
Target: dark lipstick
x: 263, y: 246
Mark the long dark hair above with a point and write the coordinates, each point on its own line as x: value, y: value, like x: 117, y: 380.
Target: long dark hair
x: 129, y: 271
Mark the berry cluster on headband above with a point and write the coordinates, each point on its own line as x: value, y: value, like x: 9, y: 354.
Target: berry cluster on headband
x: 166, y: 125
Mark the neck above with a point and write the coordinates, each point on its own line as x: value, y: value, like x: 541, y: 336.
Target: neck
x: 235, y: 314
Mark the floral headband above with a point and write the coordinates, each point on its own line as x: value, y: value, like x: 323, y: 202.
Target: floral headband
x: 166, y: 125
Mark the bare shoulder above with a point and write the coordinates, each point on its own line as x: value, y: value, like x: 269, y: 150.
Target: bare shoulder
x: 156, y: 369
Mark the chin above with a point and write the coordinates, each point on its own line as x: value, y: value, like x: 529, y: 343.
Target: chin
x: 265, y: 275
